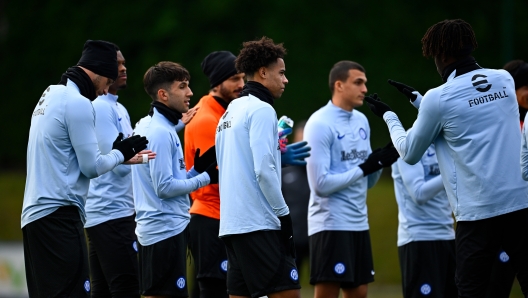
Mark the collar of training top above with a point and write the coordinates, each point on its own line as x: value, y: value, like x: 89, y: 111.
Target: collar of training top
x: 258, y: 90
x: 171, y: 115
x: 461, y: 66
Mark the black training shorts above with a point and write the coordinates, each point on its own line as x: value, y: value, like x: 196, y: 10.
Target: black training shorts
x: 55, y: 255
x: 163, y: 268
x: 259, y: 264
x: 341, y: 256
x: 428, y: 269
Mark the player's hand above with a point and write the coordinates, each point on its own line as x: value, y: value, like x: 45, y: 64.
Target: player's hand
x: 142, y: 157
x: 189, y: 115
x: 212, y: 171
x: 129, y: 147
x: 201, y: 163
x: 285, y: 132
x: 379, y: 158
x: 287, y: 235
x: 295, y: 154
x: 376, y: 105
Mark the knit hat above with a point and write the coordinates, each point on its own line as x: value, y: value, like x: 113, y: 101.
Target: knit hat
x: 100, y: 57
x: 218, y: 67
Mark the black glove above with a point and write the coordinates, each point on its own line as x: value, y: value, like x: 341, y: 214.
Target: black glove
x: 287, y: 235
x: 406, y: 90
x: 201, y: 163
x: 129, y: 147
x: 376, y: 105
x: 379, y: 158
x: 212, y: 171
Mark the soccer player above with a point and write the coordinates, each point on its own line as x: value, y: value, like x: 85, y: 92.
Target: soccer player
x: 426, y: 238
x: 207, y: 249
x: 62, y: 156
x: 472, y: 120
x: 161, y: 187
x: 255, y: 223
x: 109, y: 207
x: 341, y: 169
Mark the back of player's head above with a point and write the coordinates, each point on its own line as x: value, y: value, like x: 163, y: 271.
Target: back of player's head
x: 339, y: 72
x: 519, y: 71
x: 449, y: 38
x: 162, y: 75
x: 258, y: 53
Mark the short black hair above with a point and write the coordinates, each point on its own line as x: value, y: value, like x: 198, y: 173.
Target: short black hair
x: 449, y: 38
x: 258, y: 53
x: 518, y: 69
x: 339, y: 72
x: 162, y: 75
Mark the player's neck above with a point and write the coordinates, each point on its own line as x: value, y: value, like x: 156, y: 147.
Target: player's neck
x: 341, y: 103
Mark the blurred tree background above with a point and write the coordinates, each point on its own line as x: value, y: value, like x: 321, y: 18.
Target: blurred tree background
x: 39, y: 40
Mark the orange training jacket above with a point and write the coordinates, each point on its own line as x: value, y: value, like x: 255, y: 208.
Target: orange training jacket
x: 200, y: 133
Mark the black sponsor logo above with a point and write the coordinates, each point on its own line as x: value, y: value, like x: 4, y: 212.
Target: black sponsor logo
x: 223, y: 125
x: 354, y: 155
x: 480, y: 79
x: 487, y: 98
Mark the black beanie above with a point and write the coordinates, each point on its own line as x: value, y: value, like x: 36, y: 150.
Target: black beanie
x: 100, y: 57
x: 218, y: 67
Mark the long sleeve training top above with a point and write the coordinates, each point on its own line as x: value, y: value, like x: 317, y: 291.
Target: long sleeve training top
x: 472, y: 119
x: 110, y: 195
x: 424, y: 213
x: 340, y: 142
x: 161, y: 186
x: 63, y: 153
x: 249, y: 164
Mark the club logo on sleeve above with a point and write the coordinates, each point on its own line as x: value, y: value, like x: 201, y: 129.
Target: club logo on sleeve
x: 180, y: 283
x: 504, y: 257
x: 134, y: 246
x: 294, y: 275
x: 223, y: 265
x: 425, y: 289
x: 87, y: 286
x: 339, y: 268
x: 362, y: 133
x: 477, y: 81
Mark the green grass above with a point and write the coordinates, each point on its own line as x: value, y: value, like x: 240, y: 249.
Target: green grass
x: 383, y: 220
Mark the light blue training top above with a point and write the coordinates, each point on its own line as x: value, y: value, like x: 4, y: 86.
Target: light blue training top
x: 340, y: 142
x: 162, y: 186
x: 472, y: 119
x: 110, y: 195
x: 249, y: 164
x: 424, y: 213
x: 63, y: 154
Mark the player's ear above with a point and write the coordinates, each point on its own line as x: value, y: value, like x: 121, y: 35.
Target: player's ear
x: 262, y: 72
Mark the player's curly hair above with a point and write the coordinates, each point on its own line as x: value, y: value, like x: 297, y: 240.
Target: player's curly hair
x: 258, y: 53
x: 162, y: 75
x: 449, y: 38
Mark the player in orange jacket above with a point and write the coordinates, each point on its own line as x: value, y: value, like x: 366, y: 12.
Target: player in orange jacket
x: 207, y: 249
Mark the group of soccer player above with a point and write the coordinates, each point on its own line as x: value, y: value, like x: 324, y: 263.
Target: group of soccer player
x: 142, y: 202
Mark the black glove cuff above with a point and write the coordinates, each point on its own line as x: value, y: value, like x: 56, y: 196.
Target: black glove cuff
x: 369, y: 168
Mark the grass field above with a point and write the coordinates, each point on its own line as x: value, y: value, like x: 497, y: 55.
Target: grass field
x: 383, y: 221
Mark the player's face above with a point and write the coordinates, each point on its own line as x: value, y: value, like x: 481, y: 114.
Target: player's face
x: 179, y: 96
x: 355, y: 88
x: 121, y: 80
x: 276, y: 79
x: 230, y: 88
x: 101, y: 84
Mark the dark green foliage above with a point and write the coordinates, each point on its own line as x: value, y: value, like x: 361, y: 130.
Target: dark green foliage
x: 39, y: 40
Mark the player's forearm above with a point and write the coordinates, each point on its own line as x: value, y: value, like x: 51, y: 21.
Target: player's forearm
x: 269, y: 184
x: 425, y: 191
x: 171, y: 187
x: 93, y: 164
x: 325, y: 184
